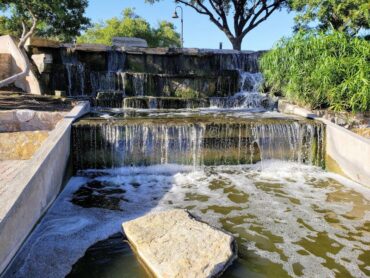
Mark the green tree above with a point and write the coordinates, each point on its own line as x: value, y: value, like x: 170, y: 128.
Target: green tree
x: 349, y: 16
x: 236, y: 18
x: 57, y: 18
x: 63, y: 19
x: 131, y: 25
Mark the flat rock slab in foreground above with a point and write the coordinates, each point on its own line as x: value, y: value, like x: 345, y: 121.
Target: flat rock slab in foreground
x: 174, y: 244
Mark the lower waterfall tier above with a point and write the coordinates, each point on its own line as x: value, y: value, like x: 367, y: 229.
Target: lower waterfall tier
x: 194, y: 140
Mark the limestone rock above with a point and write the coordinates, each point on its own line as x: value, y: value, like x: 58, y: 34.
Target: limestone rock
x: 28, y: 120
x: 43, y: 62
x: 21, y: 145
x: 174, y: 244
x: 25, y: 115
x: 88, y: 47
x: 42, y: 42
x: 129, y: 42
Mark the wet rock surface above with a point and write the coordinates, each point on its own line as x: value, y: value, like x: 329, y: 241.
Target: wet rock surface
x: 174, y: 244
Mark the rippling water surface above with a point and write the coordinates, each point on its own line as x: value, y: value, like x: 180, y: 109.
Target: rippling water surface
x: 289, y: 220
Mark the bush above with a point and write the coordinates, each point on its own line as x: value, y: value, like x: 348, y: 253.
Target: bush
x: 321, y: 70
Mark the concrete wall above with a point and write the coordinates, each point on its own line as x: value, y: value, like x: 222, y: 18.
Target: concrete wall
x: 347, y: 153
x: 27, y: 197
x: 29, y: 84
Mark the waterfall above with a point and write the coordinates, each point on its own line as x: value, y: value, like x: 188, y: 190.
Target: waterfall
x: 75, y: 73
x: 113, y: 80
x: 248, y: 96
x: 105, y: 144
x: 116, y: 61
x: 244, y: 61
x: 138, y: 80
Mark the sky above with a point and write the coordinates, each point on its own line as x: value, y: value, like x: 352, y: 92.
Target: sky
x: 199, y: 32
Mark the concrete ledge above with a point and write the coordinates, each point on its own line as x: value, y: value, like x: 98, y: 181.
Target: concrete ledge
x: 26, y: 198
x: 347, y: 153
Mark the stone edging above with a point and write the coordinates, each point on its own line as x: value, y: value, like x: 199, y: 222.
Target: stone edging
x: 347, y: 153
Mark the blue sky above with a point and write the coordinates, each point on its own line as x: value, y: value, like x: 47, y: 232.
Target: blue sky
x: 198, y: 30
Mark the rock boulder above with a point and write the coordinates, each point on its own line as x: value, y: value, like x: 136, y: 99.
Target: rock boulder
x: 174, y: 244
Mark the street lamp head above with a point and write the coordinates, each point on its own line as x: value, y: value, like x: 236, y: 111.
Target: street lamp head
x: 175, y: 15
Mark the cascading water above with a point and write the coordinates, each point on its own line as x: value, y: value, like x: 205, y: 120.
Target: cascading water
x: 113, y: 80
x: 75, y: 73
x: 138, y: 81
x: 199, y: 141
x: 250, y: 82
x: 248, y: 96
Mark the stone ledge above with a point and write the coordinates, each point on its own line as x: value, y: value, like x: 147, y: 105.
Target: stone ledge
x: 174, y: 244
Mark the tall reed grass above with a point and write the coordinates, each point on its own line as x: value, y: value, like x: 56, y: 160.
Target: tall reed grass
x: 321, y: 70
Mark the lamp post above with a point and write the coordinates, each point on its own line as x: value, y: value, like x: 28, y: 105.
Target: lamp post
x: 175, y: 15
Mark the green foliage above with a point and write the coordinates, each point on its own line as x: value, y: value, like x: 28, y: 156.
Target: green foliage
x: 131, y: 25
x: 7, y: 27
x: 342, y: 15
x: 63, y: 19
x: 321, y: 70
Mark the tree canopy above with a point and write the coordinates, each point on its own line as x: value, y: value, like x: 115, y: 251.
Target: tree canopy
x: 349, y: 16
x: 63, y: 19
x: 51, y: 18
x: 236, y: 18
x: 132, y: 25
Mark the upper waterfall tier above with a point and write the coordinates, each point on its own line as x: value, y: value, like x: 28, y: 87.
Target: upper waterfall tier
x: 186, y: 73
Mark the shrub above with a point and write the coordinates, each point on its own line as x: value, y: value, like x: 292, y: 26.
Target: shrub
x: 321, y: 70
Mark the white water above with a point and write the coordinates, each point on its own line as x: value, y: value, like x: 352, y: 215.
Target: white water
x: 275, y: 196
x: 111, y: 144
x: 248, y: 97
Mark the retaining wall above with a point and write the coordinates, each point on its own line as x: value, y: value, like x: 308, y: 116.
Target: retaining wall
x: 26, y: 198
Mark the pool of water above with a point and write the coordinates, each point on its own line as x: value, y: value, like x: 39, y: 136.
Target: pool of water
x: 289, y: 220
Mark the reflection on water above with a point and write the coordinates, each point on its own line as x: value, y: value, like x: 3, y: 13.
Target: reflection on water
x: 290, y: 220
x: 112, y: 257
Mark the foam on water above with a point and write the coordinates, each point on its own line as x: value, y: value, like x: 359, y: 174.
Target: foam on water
x: 281, y: 212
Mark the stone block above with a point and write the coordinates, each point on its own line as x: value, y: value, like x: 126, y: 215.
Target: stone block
x: 42, y: 42
x: 128, y: 42
x: 21, y: 145
x: 174, y: 244
x: 43, y: 62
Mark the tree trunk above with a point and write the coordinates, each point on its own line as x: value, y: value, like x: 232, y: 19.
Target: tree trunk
x: 237, y: 43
